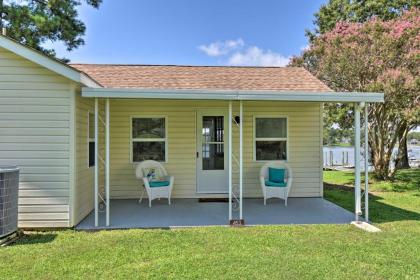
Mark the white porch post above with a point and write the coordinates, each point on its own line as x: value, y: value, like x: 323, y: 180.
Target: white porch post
x: 96, y: 161
x: 357, y: 198
x: 241, y: 120
x: 366, y: 163
x: 107, y: 159
x: 230, y: 160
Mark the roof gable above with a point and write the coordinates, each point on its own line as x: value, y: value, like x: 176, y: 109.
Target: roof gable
x: 45, y: 61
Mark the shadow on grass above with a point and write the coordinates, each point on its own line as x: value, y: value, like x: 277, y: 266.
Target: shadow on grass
x: 379, y: 211
x: 35, y: 238
x: 404, y: 180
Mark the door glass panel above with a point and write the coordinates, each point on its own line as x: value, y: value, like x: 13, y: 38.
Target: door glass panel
x: 213, y: 157
x: 212, y: 146
x: 213, y: 129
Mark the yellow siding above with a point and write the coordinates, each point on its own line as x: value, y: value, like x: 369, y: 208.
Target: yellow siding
x: 83, y: 193
x: 84, y: 183
x: 304, y: 144
x: 35, y: 131
x: 42, y: 119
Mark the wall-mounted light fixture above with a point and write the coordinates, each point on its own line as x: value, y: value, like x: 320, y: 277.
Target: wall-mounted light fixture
x: 237, y: 119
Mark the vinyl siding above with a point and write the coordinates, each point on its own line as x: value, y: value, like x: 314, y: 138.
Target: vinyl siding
x: 304, y: 144
x: 35, y: 134
x: 85, y: 175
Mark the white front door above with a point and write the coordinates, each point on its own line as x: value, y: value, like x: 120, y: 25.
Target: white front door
x: 212, y: 151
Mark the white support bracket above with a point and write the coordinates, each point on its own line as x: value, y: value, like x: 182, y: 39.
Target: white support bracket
x: 366, y: 162
x: 107, y: 159
x: 241, y: 121
x: 99, y: 160
x: 101, y: 120
x: 357, y: 192
x: 230, y: 160
x: 96, y: 161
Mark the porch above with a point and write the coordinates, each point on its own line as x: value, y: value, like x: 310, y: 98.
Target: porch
x: 176, y: 135
x: 128, y: 213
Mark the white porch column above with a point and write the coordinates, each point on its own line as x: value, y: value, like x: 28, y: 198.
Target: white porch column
x: 230, y: 160
x: 241, y: 120
x: 357, y: 198
x: 96, y: 161
x: 366, y: 163
x: 107, y: 139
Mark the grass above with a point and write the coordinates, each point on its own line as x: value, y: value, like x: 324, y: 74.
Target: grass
x: 390, y: 201
x: 266, y: 252
x: 405, y: 180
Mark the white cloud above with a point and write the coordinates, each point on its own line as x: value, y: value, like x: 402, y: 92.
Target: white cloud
x: 255, y: 56
x: 237, y: 53
x: 220, y: 48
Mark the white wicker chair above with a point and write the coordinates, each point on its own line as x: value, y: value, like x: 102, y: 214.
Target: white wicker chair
x: 155, y: 192
x: 280, y: 192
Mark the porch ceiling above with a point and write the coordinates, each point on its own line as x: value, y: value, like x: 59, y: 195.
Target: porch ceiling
x: 342, y: 97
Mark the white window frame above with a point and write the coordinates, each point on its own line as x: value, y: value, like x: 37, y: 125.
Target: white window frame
x: 255, y: 139
x: 89, y: 140
x: 148, y: 139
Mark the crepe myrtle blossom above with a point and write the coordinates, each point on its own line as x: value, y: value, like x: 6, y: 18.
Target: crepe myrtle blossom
x: 377, y: 55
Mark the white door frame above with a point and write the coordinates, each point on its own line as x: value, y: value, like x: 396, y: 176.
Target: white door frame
x: 211, y: 112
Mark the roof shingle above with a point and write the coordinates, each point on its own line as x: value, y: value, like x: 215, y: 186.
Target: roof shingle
x: 203, y: 77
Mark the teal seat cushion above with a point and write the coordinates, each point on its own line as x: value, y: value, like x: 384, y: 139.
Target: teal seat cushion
x: 269, y: 183
x: 157, y: 184
x: 276, y: 175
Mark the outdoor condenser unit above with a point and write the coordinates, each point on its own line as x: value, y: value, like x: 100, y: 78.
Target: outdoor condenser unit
x: 9, y: 189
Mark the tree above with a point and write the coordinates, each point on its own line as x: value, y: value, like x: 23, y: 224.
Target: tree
x: 413, y: 135
x: 33, y: 22
x: 376, y: 56
x: 337, y: 136
x: 359, y: 11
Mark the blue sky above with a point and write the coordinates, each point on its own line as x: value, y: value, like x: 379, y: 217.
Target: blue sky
x: 194, y: 32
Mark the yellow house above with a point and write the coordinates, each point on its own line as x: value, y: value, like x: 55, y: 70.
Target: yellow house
x: 77, y: 133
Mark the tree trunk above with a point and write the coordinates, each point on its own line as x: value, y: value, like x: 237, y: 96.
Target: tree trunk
x: 384, y: 131
x: 401, y: 162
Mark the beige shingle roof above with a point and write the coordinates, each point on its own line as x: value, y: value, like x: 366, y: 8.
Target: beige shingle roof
x: 203, y: 77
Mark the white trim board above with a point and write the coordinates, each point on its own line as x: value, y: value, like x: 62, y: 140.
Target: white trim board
x: 233, y: 95
x: 47, y: 62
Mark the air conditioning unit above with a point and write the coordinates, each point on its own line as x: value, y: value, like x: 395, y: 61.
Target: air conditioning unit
x: 9, y: 193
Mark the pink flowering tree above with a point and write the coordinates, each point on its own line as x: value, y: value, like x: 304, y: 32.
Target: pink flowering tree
x: 375, y: 56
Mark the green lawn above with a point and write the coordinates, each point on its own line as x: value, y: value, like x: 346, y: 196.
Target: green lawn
x: 268, y: 252
x: 391, y: 201
x: 405, y: 180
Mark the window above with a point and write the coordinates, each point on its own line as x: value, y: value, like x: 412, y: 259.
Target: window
x: 148, y: 138
x: 270, y: 138
x: 91, y: 139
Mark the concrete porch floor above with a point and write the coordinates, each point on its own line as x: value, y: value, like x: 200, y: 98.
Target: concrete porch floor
x: 128, y: 213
